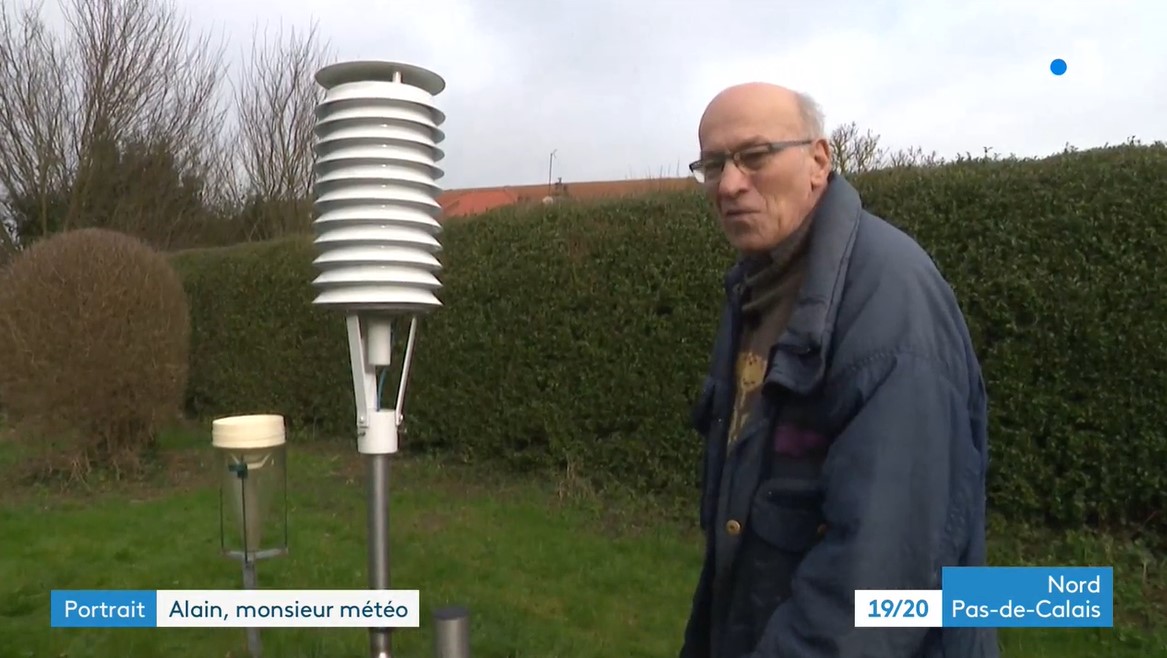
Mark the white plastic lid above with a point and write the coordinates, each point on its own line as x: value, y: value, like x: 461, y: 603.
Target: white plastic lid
x: 248, y: 432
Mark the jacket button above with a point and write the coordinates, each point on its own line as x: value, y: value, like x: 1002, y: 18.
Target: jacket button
x: 733, y: 527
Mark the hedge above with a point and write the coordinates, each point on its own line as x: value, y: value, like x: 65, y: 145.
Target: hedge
x: 573, y: 336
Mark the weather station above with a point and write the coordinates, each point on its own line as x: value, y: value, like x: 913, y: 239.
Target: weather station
x: 377, y: 137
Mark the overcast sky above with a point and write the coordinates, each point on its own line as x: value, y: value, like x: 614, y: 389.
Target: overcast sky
x: 616, y: 87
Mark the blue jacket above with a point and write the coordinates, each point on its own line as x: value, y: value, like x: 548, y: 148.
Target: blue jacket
x: 866, y: 466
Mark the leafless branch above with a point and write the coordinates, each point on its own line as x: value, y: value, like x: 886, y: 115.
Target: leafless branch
x: 854, y: 152
x: 275, y: 98
x: 116, y: 121
x: 142, y: 78
x: 34, y: 110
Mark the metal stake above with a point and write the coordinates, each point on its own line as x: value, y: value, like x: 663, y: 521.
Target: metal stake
x: 380, y: 640
x: 452, y: 633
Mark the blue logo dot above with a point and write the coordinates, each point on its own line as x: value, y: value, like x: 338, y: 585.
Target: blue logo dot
x: 1058, y: 66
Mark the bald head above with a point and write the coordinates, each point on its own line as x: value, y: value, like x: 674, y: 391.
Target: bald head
x: 765, y: 162
x: 770, y: 103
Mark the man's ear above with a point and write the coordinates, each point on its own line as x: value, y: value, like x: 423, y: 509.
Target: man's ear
x: 821, y: 152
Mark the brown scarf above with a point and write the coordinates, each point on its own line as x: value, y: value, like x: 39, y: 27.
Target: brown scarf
x: 767, y: 275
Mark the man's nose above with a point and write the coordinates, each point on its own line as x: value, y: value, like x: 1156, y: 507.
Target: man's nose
x: 733, y: 181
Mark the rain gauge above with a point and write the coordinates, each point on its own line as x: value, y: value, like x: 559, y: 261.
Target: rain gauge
x: 253, y: 504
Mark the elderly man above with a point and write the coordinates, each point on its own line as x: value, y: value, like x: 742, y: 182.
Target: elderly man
x: 844, y: 411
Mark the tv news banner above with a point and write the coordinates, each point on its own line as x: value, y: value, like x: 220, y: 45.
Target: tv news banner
x: 997, y: 597
x: 1000, y: 597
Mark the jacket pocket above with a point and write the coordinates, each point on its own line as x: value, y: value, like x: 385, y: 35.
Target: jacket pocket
x: 784, y: 523
x: 786, y: 514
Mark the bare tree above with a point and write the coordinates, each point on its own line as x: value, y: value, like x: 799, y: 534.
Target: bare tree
x: 127, y: 86
x: 275, y: 100
x: 854, y: 152
x: 34, y: 110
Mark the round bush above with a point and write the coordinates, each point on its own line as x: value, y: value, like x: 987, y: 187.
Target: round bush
x: 94, y: 347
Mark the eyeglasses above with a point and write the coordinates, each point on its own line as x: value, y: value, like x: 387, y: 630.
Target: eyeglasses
x: 749, y: 159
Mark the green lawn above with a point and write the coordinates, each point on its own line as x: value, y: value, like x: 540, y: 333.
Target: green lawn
x: 546, y: 574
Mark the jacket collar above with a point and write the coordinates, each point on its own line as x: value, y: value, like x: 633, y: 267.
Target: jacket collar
x: 798, y: 361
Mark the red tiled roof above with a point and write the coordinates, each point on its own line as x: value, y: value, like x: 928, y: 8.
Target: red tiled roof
x: 460, y: 203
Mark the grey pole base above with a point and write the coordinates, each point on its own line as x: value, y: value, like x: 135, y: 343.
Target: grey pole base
x: 452, y: 632
x: 380, y: 639
x: 254, y: 644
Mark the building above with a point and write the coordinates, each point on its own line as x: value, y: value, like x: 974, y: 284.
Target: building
x: 467, y: 202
